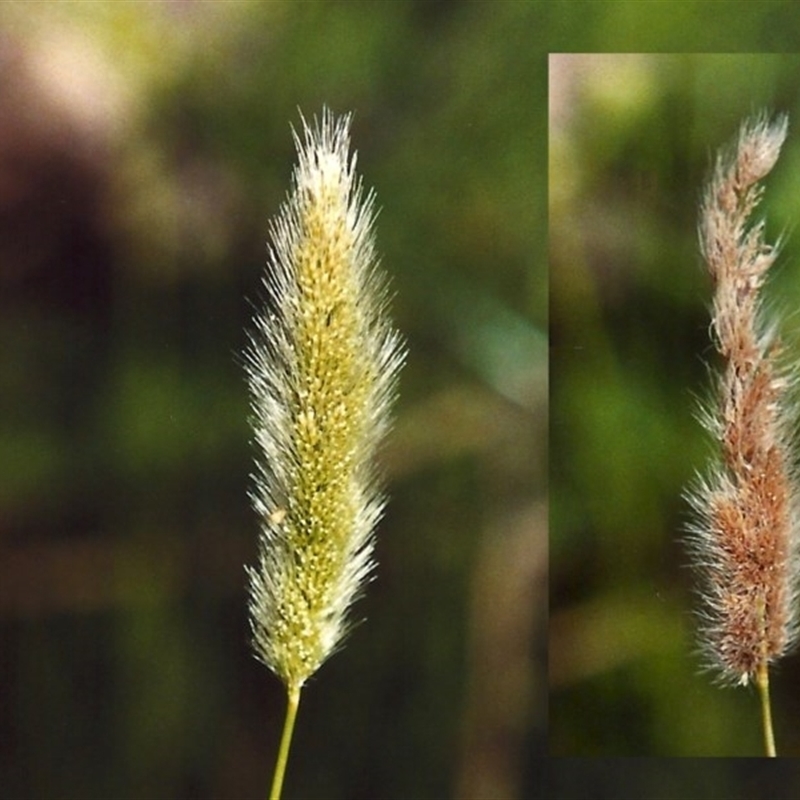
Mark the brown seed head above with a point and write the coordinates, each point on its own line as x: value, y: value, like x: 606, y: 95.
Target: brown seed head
x: 744, y: 540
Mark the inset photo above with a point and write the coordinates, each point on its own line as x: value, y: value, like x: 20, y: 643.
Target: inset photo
x: 674, y: 195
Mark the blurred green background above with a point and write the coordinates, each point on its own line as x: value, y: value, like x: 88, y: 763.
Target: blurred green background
x: 631, y: 140
x: 143, y: 149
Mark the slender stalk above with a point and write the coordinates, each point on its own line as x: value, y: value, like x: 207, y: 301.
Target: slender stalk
x: 762, y: 682
x: 293, y: 695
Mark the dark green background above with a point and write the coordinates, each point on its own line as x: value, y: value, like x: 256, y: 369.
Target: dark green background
x: 143, y: 148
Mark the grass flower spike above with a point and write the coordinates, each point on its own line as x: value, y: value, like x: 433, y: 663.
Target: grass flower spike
x: 322, y: 366
x: 744, y: 540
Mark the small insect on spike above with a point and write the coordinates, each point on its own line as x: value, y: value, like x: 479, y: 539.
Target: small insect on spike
x: 277, y: 516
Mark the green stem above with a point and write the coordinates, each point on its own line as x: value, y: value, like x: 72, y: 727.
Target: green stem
x: 286, y: 741
x: 762, y: 681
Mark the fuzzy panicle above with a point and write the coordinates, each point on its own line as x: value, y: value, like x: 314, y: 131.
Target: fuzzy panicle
x: 321, y: 365
x: 744, y: 538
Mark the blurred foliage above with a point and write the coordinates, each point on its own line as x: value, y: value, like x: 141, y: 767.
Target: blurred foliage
x: 631, y: 142
x: 143, y: 148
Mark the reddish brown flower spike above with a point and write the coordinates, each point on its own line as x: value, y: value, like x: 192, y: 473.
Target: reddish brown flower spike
x: 744, y: 538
